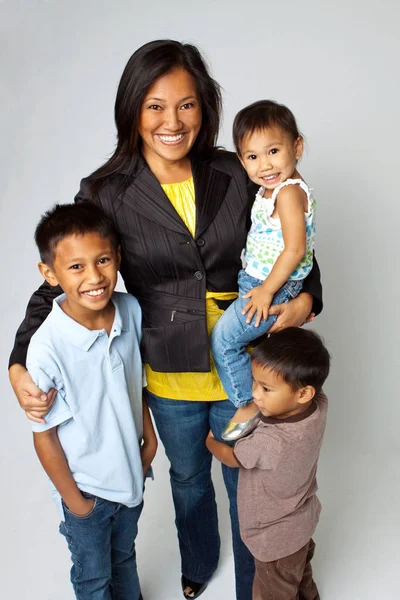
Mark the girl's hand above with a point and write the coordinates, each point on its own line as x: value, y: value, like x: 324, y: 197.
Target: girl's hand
x: 32, y: 400
x: 292, y: 314
x: 260, y: 302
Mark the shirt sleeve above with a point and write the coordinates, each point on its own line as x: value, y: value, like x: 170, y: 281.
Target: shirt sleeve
x: 38, y: 308
x: 60, y: 412
x: 259, y: 450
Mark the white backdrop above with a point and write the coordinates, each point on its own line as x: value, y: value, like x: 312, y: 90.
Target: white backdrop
x: 336, y: 66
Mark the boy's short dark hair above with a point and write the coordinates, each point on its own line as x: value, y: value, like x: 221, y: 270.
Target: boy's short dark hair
x: 261, y: 115
x: 297, y: 355
x: 64, y: 220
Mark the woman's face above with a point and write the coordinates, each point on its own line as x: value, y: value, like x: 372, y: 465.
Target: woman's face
x: 170, y: 118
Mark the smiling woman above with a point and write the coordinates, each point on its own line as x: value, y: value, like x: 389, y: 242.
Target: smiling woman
x: 181, y: 207
x: 170, y: 122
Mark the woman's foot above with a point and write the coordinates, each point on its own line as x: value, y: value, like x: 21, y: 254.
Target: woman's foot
x: 192, y: 589
x: 242, y: 423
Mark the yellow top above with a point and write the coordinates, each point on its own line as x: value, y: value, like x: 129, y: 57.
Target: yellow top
x: 190, y: 386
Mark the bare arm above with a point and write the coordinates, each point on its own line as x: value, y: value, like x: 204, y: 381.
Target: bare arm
x: 150, y: 443
x: 290, y: 206
x: 52, y: 458
x: 308, y: 304
x: 221, y: 451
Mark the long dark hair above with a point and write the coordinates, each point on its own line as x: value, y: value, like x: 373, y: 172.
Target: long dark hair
x: 151, y: 61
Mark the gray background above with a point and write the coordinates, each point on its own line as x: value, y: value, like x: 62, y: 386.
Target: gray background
x: 336, y: 66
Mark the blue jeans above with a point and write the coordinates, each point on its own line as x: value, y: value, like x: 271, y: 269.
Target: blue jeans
x: 231, y: 335
x: 102, y: 546
x: 183, y: 427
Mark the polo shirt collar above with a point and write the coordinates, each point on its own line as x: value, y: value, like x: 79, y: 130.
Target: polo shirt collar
x: 80, y: 336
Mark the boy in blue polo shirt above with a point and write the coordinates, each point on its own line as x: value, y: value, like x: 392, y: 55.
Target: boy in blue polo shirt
x: 98, y: 441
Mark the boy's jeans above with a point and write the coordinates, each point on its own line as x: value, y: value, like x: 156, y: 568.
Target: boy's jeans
x: 102, y: 546
x: 232, y: 334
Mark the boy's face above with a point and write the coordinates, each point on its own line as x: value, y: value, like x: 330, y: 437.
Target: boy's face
x: 270, y: 156
x: 86, y: 267
x: 274, y: 397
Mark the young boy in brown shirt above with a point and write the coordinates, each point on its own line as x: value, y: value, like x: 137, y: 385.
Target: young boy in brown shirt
x: 277, y: 502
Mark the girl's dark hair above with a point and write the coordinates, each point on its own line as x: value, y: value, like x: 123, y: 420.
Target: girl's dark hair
x: 145, y: 66
x: 297, y: 355
x: 259, y: 116
x: 64, y: 220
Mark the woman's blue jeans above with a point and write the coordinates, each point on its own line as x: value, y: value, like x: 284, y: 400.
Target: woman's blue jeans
x: 183, y: 426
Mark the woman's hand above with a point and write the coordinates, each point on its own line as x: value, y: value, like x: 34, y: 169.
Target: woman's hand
x: 32, y: 400
x: 292, y: 314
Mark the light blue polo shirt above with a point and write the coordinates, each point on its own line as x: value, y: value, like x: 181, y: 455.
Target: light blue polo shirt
x: 98, y: 407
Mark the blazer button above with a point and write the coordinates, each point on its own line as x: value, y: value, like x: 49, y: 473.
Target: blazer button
x: 199, y: 275
x: 200, y: 242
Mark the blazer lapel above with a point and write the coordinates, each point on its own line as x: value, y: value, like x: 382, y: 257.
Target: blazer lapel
x: 146, y: 196
x: 210, y: 188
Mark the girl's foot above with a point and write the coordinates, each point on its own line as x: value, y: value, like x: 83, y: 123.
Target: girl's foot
x: 192, y: 589
x: 243, y: 422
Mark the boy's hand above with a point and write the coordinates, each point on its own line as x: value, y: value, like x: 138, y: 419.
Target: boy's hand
x: 210, y: 439
x: 221, y: 451
x: 147, y: 454
x: 260, y: 301
x: 82, y: 508
x: 150, y: 443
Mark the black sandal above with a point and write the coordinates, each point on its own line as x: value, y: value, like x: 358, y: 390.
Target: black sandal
x: 197, y: 588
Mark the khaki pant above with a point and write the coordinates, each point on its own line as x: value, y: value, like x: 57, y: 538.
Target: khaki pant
x: 288, y: 578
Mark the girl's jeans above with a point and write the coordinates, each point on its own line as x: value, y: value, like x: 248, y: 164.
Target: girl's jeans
x: 102, y: 546
x: 183, y: 426
x: 232, y: 334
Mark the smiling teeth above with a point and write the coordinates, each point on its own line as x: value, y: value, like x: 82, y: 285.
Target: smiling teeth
x: 171, y: 138
x: 95, y: 292
x: 270, y: 177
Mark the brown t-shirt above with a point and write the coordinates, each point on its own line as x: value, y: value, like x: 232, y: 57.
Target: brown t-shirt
x: 277, y: 502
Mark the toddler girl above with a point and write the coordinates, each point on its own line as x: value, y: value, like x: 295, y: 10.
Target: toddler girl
x: 279, y: 248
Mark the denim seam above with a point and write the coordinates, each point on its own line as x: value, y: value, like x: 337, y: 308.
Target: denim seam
x: 223, y: 354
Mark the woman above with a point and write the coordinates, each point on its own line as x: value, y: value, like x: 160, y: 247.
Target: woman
x: 181, y: 207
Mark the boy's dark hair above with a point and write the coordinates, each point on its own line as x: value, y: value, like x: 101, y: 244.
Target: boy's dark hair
x: 261, y: 115
x: 64, y: 220
x: 297, y: 355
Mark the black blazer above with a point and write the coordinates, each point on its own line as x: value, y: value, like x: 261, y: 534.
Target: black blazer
x: 164, y: 266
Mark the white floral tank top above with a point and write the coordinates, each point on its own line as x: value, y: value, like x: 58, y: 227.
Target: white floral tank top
x: 265, y: 240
